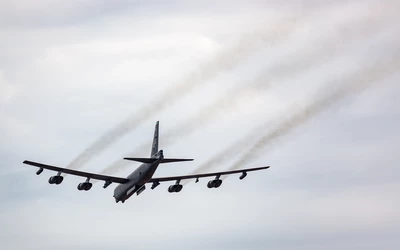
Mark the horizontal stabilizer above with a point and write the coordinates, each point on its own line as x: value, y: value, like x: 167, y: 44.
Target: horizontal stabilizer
x: 143, y: 160
x: 151, y: 160
x: 174, y: 160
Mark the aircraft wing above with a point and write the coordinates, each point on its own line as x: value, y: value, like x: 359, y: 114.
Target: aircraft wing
x: 78, y: 173
x: 197, y: 176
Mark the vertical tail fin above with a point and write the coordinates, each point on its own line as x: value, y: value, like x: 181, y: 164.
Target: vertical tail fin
x: 154, y: 149
x: 156, y: 155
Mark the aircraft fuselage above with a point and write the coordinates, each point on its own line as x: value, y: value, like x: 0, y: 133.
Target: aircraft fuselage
x: 137, y: 179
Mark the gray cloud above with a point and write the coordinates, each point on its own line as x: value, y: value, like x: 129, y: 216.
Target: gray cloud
x: 333, y: 183
x: 351, y: 85
x: 324, y: 49
x: 224, y: 61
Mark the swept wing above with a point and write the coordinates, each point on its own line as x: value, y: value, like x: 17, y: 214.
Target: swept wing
x: 106, y: 178
x: 197, y: 176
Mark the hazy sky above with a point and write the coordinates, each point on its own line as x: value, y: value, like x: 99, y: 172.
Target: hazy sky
x: 82, y: 84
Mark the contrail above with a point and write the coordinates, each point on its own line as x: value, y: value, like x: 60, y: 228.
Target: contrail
x: 226, y: 60
x: 354, y: 84
x: 283, y: 128
x: 207, y: 114
x: 223, y: 156
x: 323, y: 49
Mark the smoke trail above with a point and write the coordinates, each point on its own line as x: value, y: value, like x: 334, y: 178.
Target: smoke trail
x: 352, y: 85
x: 323, y: 49
x: 284, y: 127
x: 225, y: 61
x: 212, y: 111
x: 223, y: 156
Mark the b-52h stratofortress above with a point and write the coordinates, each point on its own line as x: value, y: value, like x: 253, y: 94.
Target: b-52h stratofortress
x: 137, y: 180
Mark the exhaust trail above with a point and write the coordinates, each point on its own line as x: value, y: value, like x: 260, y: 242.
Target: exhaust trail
x: 223, y: 156
x: 323, y: 49
x: 283, y: 128
x: 225, y: 61
x: 354, y: 84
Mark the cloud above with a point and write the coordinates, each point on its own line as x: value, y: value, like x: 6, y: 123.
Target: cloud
x: 7, y: 90
x: 325, y: 49
x: 295, y: 215
x: 224, y: 61
x: 27, y: 14
x: 352, y: 85
x: 332, y: 183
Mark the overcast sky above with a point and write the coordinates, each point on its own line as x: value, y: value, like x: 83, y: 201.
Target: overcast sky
x: 87, y: 80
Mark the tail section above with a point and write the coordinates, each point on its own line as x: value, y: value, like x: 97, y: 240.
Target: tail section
x: 156, y: 155
x: 154, y: 149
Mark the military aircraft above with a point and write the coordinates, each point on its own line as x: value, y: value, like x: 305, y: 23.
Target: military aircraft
x: 137, y: 180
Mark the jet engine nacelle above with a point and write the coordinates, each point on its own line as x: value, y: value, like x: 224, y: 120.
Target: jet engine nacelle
x: 214, y: 183
x: 175, y: 188
x: 56, y: 179
x: 155, y: 184
x: 243, y: 176
x: 84, y: 186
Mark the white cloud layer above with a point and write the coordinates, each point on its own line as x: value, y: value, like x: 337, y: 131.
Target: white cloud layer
x: 72, y: 70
